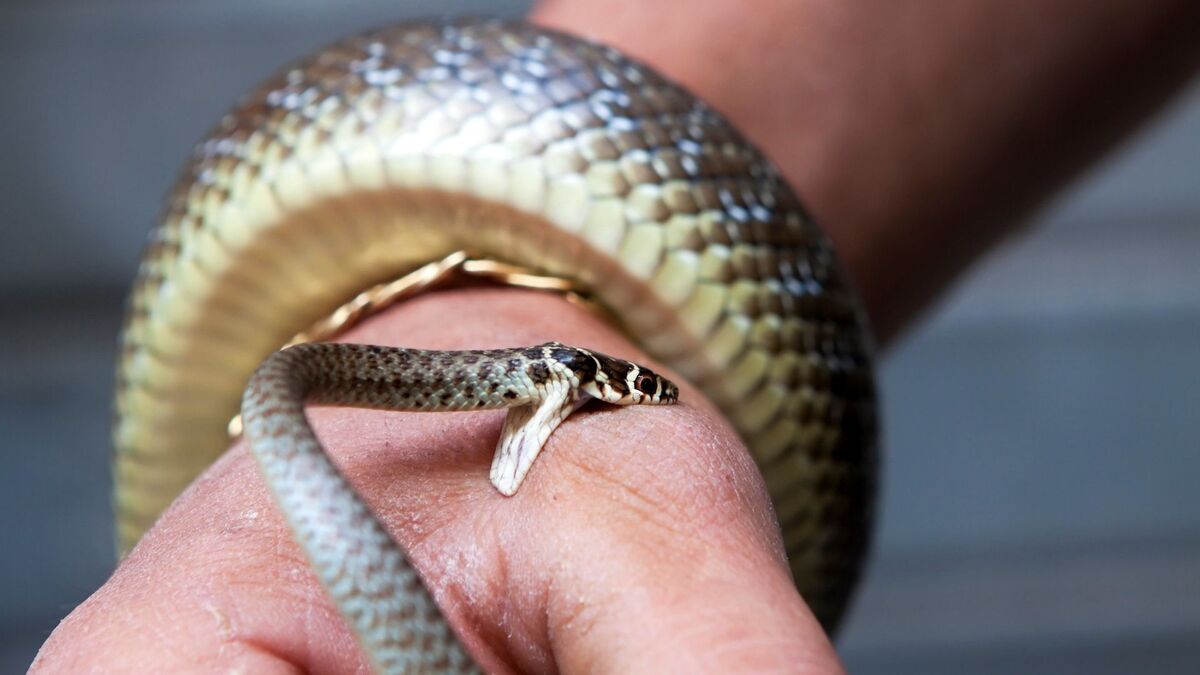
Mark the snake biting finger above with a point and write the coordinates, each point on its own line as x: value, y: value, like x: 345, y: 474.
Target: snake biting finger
x: 396, y: 148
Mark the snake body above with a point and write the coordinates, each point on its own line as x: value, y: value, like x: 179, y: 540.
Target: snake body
x: 364, y: 570
x: 397, y: 147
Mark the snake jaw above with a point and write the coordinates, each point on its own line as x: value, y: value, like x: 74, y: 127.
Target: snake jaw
x: 525, y: 431
x: 575, y: 375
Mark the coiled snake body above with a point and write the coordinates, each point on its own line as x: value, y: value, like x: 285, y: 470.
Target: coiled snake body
x: 398, y: 147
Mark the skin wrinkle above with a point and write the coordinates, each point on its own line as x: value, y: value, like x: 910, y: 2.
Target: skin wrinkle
x: 725, y: 466
x: 537, y: 658
x: 177, y: 647
x: 660, y: 546
x: 259, y: 656
x: 498, y: 581
x: 586, y: 612
x: 537, y: 596
x: 701, y: 623
x: 465, y: 612
x: 644, y: 506
x: 708, y: 620
x: 497, y: 523
x: 664, y: 508
x: 572, y: 604
x: 266, y: 579
x: 269, y: 567
x: 643, y: 598
x: 567, y: 612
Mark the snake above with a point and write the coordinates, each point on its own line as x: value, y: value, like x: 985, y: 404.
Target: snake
x: 398, y: 147
x: 364, y: 570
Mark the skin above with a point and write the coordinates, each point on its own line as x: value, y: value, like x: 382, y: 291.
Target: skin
x: 919, y: 133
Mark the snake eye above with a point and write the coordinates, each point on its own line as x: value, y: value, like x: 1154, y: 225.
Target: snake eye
x: 645, y: 384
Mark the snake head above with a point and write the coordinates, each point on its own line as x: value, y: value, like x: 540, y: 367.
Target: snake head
x: 646, y: 387
x: 618, y: 381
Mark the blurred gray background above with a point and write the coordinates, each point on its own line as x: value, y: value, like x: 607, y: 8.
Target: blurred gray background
x: 1041, y: 508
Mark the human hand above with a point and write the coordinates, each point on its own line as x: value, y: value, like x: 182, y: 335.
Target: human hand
x: 643, y: 539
